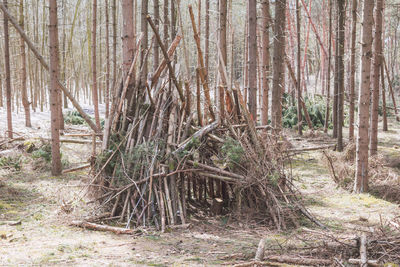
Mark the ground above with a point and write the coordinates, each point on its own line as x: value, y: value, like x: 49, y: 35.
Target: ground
x: 45, y: 205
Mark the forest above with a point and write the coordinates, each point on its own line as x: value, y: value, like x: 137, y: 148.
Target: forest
x: 200, y: 133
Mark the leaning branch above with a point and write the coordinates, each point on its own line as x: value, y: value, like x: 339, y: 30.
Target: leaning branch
x: 46, y: 66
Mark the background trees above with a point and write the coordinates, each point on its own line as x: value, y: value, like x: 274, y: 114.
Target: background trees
x: 299, y: 73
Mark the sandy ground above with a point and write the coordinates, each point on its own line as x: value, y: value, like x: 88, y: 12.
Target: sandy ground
x: 45, y: 238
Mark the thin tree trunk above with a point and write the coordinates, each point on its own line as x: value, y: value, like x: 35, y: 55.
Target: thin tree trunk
x: 376, y: 78
x: 145, y: 41
x: 252, y: 57
x: 353, y: 68
x: 385, y: 122
x: 156, y: 48
x: 266, y: 58
x: 223, y: 9
x: 8, y: 75
x: 108, y: 66
x: 298, y: 84
x: 340, y: 58
x: 279, y: 68
x: 24, y: 90
x: 94, y: 67
x: 361, y: 177
x: 328, y: 78
x: 128, y: 43
x: 54, y: 88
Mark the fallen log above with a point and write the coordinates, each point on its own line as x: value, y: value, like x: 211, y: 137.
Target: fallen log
x: 82, y: 167
x: 104, y: 228
x: 306, y: 149
x: 299, y: 261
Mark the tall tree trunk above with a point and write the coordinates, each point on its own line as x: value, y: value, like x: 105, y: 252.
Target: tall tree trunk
x: 207, y: 37
x: 223, y: 9
x: 145, y: 41
x: 298, y: 84
x: 340, y: 58
x: 128, y: 42
x: 328, y: 89
x: 8, y: 75
x: 156, y: 48
x: 353, y: 67
x: 94, y: 67
x: 385, y: 122
x: 266, y: 58
x: 376, y: 78
x: 114, y: 25
x: 279, y: 70
x: 336, y: 82
x: 361, y: 177
x: 108, y: 66
x: 56, y: 167
x: 24, y: 90
x: 252, y: 57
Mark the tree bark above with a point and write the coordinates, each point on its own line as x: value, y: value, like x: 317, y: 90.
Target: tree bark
x: 353, y: 67
x: 54, y: 94
x: 252, y: 57
x: 279, y: 70
x: 385, y: 122
x: 340, y: 85
x: 24, y: 90
x: 361, y: 177
x: 223, y: 9
x: 376, y: 77
x: 94, y: 66
x: 156, y: 48
x: 266, y: 58
x: 8, y: 74
x: 328, y: 89
x: 298, y: 84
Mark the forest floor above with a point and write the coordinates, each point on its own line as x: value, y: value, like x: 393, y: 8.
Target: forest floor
x: 44, y: 236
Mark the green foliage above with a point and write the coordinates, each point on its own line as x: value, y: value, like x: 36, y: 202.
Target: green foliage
x: 232, y: 152
x: 44, y: 152
x: 74, y: 118
x: 316, y: 109
x: 11, y: 162
x: 193, y: 144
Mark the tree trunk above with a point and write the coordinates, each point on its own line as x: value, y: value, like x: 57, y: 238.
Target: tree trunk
x: 252, y: 57
x: 376, y: 78
x: 8, y: 75
x: 54, y: 94
x: 340, y: 85
x: 94, y: 67
x: 328, y: 89
x: 266, y: 58
x: 353, y: 68
x: 108, y: 66
x: 385, y: 122
x: 128, y: 43
x: 279, y: 70
x: 223, y: 9
x: 145, y: 41
x: 156, y: 49
x: 24, y: 90
x: 298, y: 84
x: 361, y: 177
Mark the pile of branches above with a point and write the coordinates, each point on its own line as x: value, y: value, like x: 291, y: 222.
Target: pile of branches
x: 379, y: 246
x: 165, y: 157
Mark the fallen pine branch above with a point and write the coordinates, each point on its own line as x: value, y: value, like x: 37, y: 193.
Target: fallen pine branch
x: 104, y: 228
x: 82, y: 167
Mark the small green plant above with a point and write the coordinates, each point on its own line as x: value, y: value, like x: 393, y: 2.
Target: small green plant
x: 74, y: 118
x: 11, y: 162
x: 44, y: 152
x: 232, y: 152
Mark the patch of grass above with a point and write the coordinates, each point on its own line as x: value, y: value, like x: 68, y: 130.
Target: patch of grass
x: 9, y: 162
x: 195, y: 259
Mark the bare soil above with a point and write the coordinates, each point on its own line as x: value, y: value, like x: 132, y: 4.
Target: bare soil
x: 46, y: 205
